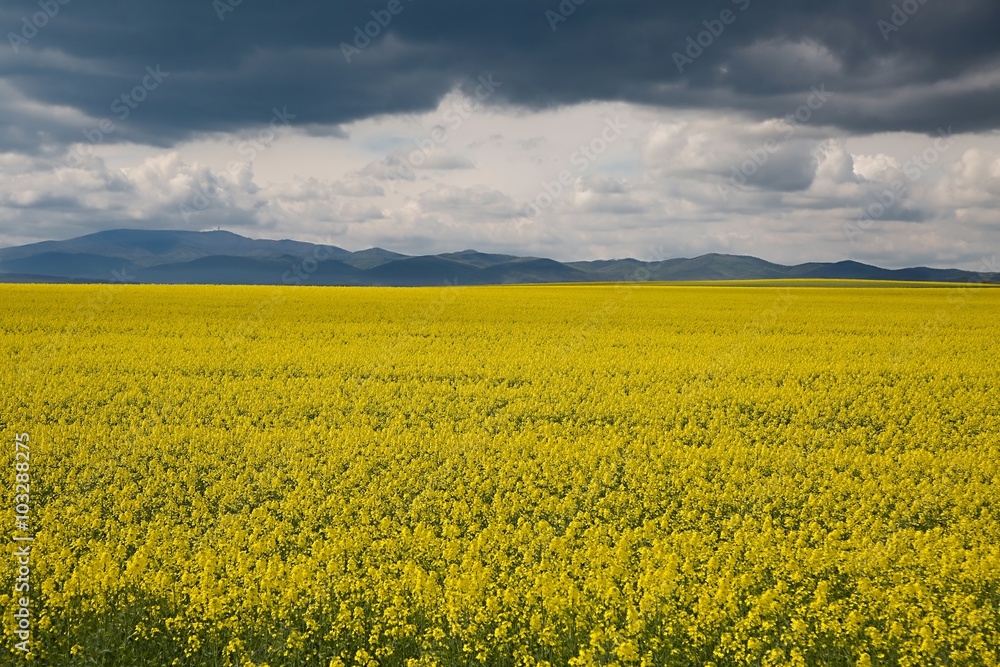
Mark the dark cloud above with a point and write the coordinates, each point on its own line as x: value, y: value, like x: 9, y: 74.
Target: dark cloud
x: 936, y: 66
x: 787, y: 170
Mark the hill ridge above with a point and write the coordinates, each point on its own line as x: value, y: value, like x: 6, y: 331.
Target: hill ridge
x: 224, y: 257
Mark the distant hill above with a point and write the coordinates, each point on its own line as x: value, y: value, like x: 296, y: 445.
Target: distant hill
x: 369, y: 259
x: 226, y: 270
x: 79, y: 265
x: 150, y: 248
x: 479, y: 259
x: 428, y: 271
x: 219, y: 257
x: 534, y: 271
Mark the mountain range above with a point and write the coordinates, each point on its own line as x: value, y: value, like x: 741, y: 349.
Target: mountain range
x: 221, y: 257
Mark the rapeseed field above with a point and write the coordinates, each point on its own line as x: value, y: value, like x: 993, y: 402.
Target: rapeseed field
x: 548, y: 475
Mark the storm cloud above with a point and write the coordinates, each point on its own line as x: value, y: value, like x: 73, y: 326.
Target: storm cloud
x: 896, y: 65
x: 754, y: 126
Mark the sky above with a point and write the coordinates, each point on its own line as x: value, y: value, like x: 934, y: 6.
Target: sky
x: 582, y: 129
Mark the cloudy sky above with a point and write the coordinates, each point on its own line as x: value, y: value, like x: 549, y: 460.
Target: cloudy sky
x: 581, y: 129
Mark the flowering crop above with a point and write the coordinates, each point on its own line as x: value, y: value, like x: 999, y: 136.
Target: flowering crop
x: 546, y: 475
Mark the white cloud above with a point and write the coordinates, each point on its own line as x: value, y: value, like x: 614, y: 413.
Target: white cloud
x: 652, y: 191
x: 874, y: 167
